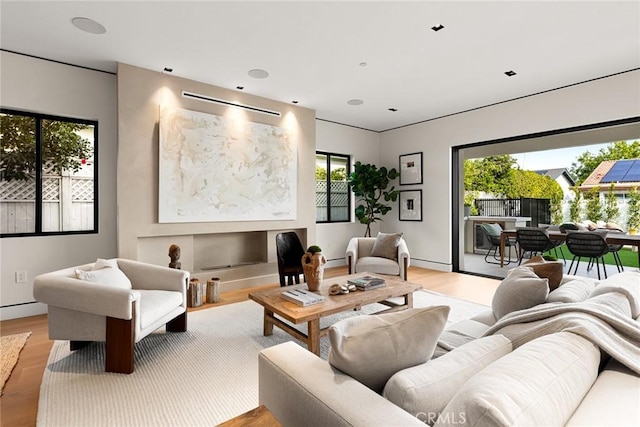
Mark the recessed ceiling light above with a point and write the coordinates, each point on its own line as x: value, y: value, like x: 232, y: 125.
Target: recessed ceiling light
x: 393, y: 109
x: 437, y: 27
x: 88, y: 25
x: 257, y: 73
x: 355, y: 102
x: 168, y: 70
x: 363, y: 64
x: 240, y: 87
x: 510, y: 73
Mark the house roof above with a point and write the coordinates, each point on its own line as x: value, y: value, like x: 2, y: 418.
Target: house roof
x: 391, y: 55
x: 557, y: 172
x: 598, y: 177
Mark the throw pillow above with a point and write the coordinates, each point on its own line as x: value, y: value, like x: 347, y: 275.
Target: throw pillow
x: 540, y: 383
x: 573, y: 291
x: 521, y: 289
x: 551, y: 270
x: 105, y: 272
x: 386, y: 246
x: 373, y: 348
x: 426, y: 389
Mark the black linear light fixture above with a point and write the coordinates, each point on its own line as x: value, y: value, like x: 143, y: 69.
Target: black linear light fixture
x: 437, y: 28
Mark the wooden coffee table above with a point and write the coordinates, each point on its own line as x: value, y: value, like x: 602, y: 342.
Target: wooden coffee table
x: 277, y: 309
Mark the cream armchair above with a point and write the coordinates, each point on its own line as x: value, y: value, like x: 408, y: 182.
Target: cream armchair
x: 359, y: 258
x: 82, y: 311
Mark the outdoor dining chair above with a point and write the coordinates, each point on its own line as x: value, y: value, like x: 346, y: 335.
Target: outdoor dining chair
x: 588, y: 244
x: 535, y: 241
x: 493, y: 233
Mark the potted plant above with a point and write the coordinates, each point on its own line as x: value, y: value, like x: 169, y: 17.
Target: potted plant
x: 370, y: 184
x: 313, y: 265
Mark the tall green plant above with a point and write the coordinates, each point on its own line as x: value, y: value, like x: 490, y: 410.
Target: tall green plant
x: 575, y: 208
x: 369, y: 184
x: 633, y: 210
x: 611, y: 209
x: 594, y: 207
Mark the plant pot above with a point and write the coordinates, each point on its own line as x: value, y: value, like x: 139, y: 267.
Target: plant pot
x: 313, y: 266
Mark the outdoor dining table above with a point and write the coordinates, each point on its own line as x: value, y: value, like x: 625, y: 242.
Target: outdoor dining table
x: 614, y: 238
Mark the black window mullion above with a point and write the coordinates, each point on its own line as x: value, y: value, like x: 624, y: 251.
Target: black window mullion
x: 39, y: 174
x: 329, y: 188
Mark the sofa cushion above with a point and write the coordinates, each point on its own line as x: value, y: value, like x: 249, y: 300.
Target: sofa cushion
x: 386, y: 246
x: 560, y: 369
x: 105, y: 272
x: 626, y: 283
x: 377, y: 265
x: 373, y: 348
x: 156, y: 304
x: 574, y: 291
x: 521, y: 289
x: 425, y: 390
x: 551, y: 270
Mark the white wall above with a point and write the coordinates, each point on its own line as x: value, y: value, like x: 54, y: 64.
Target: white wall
x: 361, y: 145
x: 429, y: 241
x: 46, y: 87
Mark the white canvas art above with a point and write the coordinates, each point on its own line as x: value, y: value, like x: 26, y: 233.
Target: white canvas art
x: 214, y: 168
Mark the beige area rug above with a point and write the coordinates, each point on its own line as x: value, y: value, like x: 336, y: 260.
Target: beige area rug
x: 10, y: 348
x: 204, y: 376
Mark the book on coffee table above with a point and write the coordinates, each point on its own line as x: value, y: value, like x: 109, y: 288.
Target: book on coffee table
x: 366, y: 283
x: 302, y: 297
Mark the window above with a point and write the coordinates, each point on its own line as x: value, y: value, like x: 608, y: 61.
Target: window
x: 333, y: 202
x: 48, y: 173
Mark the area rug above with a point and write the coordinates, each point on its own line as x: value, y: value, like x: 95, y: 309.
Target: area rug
x: 10, y: 348
x: 201, y: 377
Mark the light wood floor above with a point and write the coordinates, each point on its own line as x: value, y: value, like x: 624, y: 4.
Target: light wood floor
x: 19, y: 403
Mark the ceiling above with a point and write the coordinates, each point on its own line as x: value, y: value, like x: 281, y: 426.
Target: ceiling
x: 323, y: 54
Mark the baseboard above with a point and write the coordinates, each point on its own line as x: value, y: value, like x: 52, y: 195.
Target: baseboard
x: 22, y: 310
x: 430, y: 265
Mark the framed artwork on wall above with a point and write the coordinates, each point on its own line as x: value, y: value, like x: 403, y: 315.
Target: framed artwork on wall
x: 410, y: 205
x: 411, y: 168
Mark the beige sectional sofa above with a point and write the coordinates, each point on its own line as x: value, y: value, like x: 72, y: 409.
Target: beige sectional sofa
x: 558, y: 376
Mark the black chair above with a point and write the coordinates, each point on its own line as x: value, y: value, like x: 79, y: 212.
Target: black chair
x: 493, y: 232
x: 289, y: 251
x: 588, y: 244
x: 614, y: 249
x: 533, y: 240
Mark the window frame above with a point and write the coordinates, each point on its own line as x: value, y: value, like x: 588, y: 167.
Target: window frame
x: 347, y: 158
x: 39, y: 117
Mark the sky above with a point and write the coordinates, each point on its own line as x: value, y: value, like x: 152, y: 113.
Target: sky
x: 552, y: 159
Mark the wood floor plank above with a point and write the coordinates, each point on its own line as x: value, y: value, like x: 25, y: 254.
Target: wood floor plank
x: 19, y: 403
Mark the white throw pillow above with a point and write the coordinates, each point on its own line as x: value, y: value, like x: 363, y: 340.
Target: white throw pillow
x: 373, y: 348
x: 540, y: 383
x: 573, y: 291
x: 521, y: 289
x: 425, y: 390
x: 105, y: 272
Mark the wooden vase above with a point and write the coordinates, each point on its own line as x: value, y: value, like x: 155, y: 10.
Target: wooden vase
x: 313, y: 266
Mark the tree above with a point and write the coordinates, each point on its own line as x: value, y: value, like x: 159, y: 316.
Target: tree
x: 370, y: 184
x: 491, y: 174
x: 594, y: 207
x: 587, y: 162
x: 339, y: 174
x: 575, y: 208
x: 633, y: 209
x: 61, y: 144
x: 611, y: 210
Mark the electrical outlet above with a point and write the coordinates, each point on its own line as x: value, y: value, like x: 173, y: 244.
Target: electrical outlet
x: 21, y: 276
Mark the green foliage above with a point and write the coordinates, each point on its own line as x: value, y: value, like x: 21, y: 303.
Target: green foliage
x: 314, y: 248
x: 575, y: 208
x: 611, y: 210
x: 370, y: 184
x: 633, y: 209
x: 469, y: 199
x: 339, y: 174
x: 491, y: 174
x: 594, y: 207
x: 587, y: 162
x: 61, y: 143
x: 321, y: 173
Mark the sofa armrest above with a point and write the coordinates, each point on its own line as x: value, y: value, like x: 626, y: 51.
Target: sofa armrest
x: 81, y: 295
x: 154, y: 277
x: 351, y: 254
x: 404, y: 258
x: 299, y: 388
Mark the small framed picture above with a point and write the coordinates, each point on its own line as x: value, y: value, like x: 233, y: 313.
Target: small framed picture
x: 410, y: 205
x: 411, y: 168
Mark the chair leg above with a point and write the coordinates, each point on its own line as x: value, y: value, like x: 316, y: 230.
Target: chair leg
x: 616, y: 258
x: 604, y: 267
x: 77, y: 345
x: 597, y: 266
x: 119, y: 344
x: 178, y: 323
x: 282, y: 284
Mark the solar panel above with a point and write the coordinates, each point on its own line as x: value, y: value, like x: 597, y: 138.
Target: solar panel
x: 633, y: 175
x: 618, y: 171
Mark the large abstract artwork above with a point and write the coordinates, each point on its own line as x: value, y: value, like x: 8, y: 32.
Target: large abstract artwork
x: 214, y: 168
